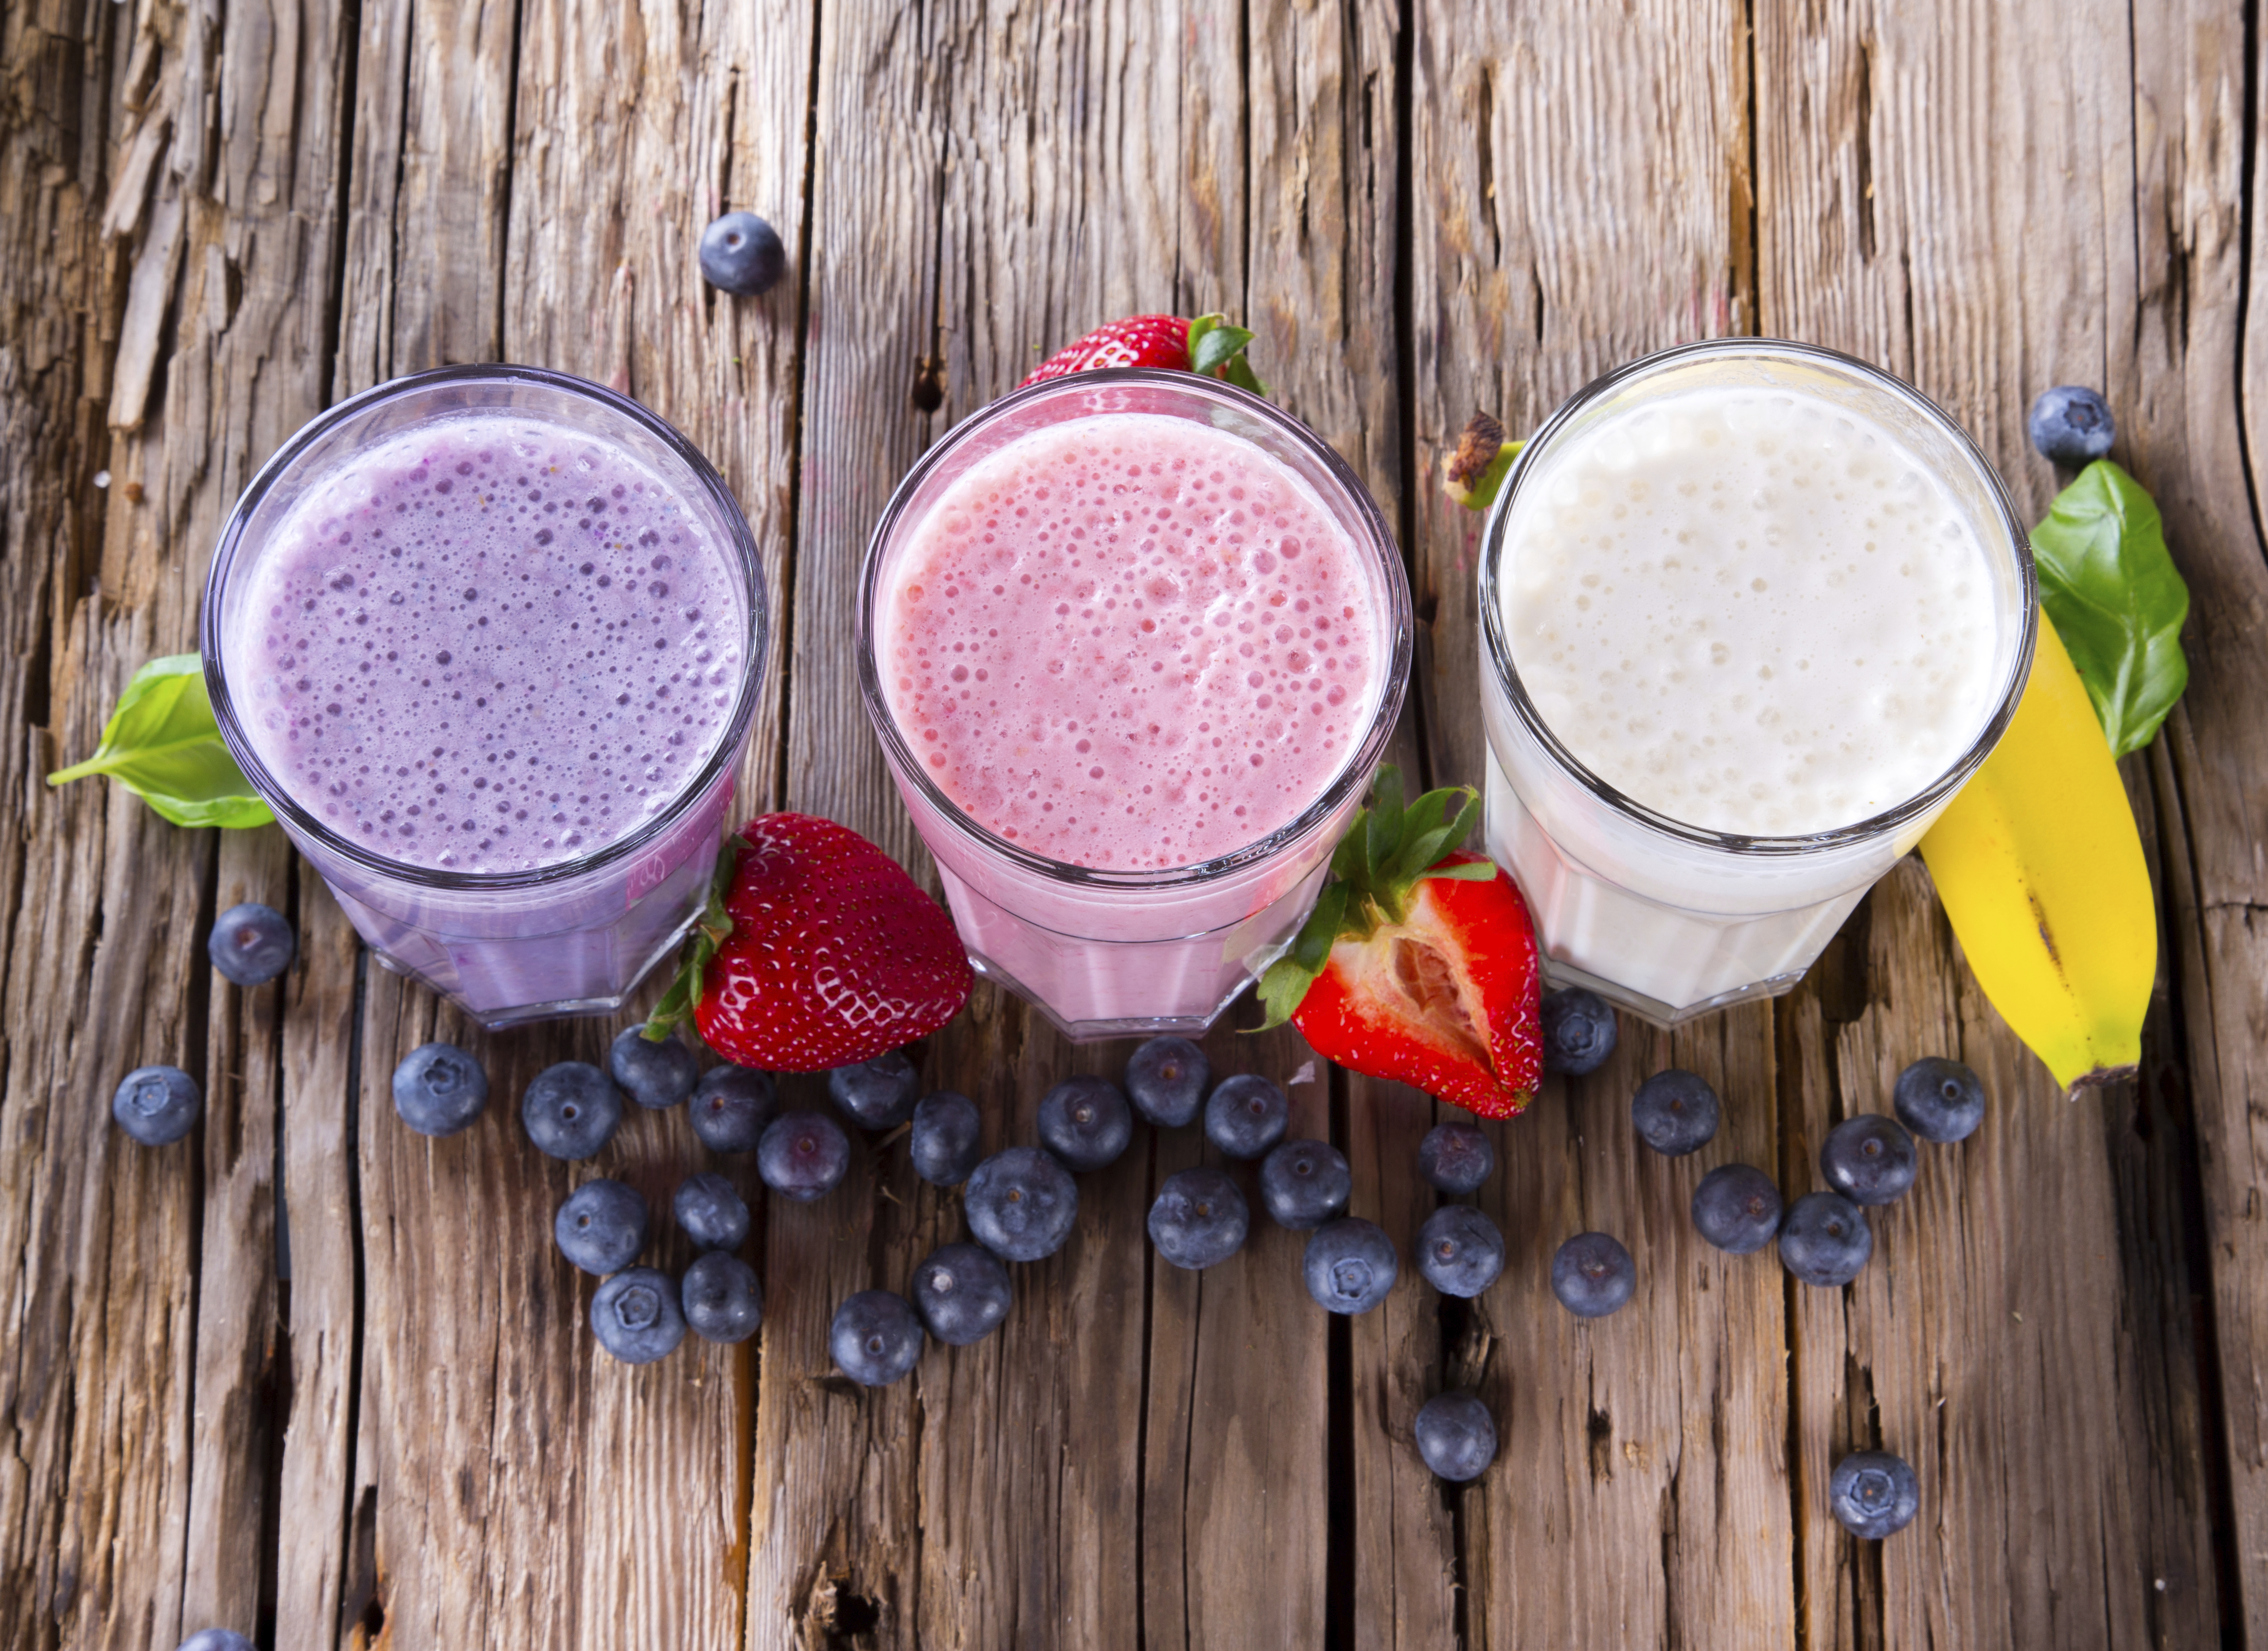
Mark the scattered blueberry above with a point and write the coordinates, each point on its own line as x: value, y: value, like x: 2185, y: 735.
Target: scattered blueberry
x: 1460, y: 1252
x: 1247, y: 1114
x: 1873, y: 1494
x: 1675, y: 1112
x: 711, y: 1212
x: 803, y: 1155
x: 1199, y: 1217
x: 730, y: 1106
x: 1348, y: 1266
x: 438, y: 1089
x: 637, y: 1316
x: 2072, y: 424
x: 1940, y: 1099
x: 600, y: 1227
x: 1456, y: 1158
x: 215, y: 1639
x: 1304, y: 1183
x: 1579, y: 1031
x: 962, y: 1294
x: 1021, y: 1203
x: 1084, y: 1122
x: 1456, y: 1437
x: 1824, y: 1238
x: 1868, y: 1159
x: 651, y: 1075
x: 571, y: 1110
x: 1166, y: 1077
x: 877, y: 1093
x: 251, y: 944
x: 1737, y: 1207
x: 1593, y: 1275
x: 723, y: 1301
x: 157, y: 1105
x: 740, y: 253
x: 947, y: 1142
x: 876, y: 1337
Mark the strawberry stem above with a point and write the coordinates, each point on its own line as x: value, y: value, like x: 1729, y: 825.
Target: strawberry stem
x: 1376, y: 871
x: 710, y: 930
x: 1218, y: 349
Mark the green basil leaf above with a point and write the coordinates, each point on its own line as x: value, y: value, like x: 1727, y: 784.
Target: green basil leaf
x: 162, y: 745
x: 2116, y: 599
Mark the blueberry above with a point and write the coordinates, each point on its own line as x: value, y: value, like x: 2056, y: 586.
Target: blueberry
x: 740, y: 253
x: 600, y: 1227
x: 1460, y: 1252
x: 1675, y: 1112
x: 1166, y: 1078
x: 962, y: 1294
x: 251, y: 944
x: 1737, y: 1207
x: 215, y: 1639
x: 1199, y: 1217
x: 1304, y: 1183
x: 803, y: 1155
x: 1824, y: 1238
x: 711, y: 1212
x: 1348, y: 1266
x: 438, y: 1089
x: 1456, y: 1158
x: 572, y: 1110
x: 1593, y: 1275
x: 157, y: 1105
x: 1021, y: 1203
x: 1868, y: 1159
x: 1579, y: 1031
x: 1873, y: 1494
x: 2072, y: 424
x: 1247, y: 1116
x: 637, y: 1316
x: 876, y: 1337
x: 877, y: 1093
x: 723, y: 1301
x: 1940, y: 1099
x: 652, y: 1074
x: 1455, y: 1436
x: 730, y: 1106
x: 1084, y: 1122
x: 947, y: 1142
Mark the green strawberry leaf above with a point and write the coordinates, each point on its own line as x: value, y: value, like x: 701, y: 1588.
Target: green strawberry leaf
x: 1464, y: 872
x: 710, y: 930
x: 1285, y: 984
x: 2111, y: 589
x: 162, y: 744
x: 1216, y: 347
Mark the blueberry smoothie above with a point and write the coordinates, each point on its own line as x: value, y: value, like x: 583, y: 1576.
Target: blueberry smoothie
x: 1132, y: 655
x: 486, y: 640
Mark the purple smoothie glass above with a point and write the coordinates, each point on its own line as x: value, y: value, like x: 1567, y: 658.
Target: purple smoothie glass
x: 573, y: 931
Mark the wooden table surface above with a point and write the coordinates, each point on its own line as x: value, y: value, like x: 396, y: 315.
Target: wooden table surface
x: 310, y: 1371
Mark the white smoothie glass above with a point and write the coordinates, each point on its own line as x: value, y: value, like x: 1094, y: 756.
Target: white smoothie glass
x: 1668, y: 919
x: 1111, y: 954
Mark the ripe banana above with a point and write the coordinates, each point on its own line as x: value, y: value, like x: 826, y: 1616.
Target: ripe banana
x: 2041, y: 870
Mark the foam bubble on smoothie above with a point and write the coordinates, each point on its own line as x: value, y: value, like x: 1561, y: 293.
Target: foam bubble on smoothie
x: 1132, y: 641
x: 489, y: 646
x: 1749, y: 612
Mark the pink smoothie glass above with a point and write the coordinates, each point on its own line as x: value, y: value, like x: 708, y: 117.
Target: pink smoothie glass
x: 488, y: 640
x: 1134, y: 917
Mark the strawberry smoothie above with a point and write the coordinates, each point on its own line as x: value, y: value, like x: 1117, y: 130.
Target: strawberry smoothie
x: 1127, y: 652
x: 474, y: 655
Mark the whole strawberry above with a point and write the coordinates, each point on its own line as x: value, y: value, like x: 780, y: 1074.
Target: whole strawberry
x: 1418, y: 965
x: 1206, y: 344
x: 816, y: 951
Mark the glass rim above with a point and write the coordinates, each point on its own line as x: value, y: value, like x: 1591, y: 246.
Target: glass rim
x: 1352, y: 775
x: 740, y: 539
x: 1498, y: 648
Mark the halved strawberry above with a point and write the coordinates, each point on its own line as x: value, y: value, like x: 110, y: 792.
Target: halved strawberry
x: 1206, y: 344
x: 816, y: 950
x: 1417, y: 965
